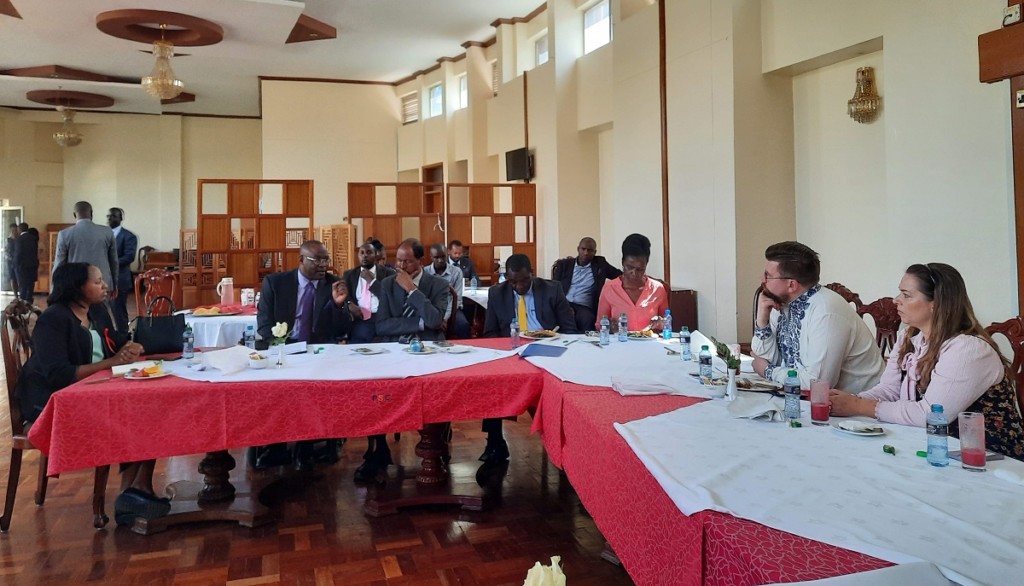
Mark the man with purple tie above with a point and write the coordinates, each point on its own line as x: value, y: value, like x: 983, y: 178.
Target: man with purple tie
x: 312, y: 303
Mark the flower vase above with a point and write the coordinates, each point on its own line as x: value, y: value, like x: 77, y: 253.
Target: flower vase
x: 280, y: 356
x: 730, y: 389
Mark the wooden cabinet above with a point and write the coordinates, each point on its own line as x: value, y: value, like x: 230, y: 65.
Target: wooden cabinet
x: 246, y: 229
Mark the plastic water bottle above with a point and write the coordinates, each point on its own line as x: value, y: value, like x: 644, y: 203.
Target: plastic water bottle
x: 250, y: 338
x: 666, y: 325
x: 706, y: 371
x: 188, y: 343
x: 514, y: 333
x: 474, y: 283
x: 938, y: 437
x: 501, y: 277
x: 684, y: 344
x: 415, y: 345
x: 606, y: 327
x: 791, y: 388
x: 623, y: 327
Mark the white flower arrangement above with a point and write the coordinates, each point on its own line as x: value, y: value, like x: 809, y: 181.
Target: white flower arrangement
x: 280, y: 332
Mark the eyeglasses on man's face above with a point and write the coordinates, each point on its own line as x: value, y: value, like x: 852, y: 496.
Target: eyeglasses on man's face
x: 317, y: 260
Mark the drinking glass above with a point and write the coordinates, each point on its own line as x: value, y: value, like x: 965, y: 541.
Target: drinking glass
x: 820, y: 405
x: 972, y: 441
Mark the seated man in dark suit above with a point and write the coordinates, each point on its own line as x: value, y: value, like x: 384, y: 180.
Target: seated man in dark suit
x: 582, y: 278
x: 537, y: 304
x: 412, y: 304
x: 363, y: 283
x: 313, y: 304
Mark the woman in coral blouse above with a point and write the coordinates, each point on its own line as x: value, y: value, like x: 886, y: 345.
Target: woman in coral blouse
x: 943, y: 356
x: 643, y: 299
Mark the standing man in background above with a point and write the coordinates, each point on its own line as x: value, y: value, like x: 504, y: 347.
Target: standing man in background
x: 88, y: 242
x: 127, y: 244
x: 10, y: 274
x: 26, y: 261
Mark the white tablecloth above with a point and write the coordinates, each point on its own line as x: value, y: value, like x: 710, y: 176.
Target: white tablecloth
x: 645, y: 360
x: 337, y: 362
x: 219, y: 330
x: 844, y: 490
x: 479, y: 295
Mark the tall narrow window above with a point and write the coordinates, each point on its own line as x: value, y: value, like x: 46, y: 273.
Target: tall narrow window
x: 494, y: 77
x: 410, y: 108
x: 540, y: 50
x: 435, y: 101
x: 463, y: 92
x: 597, y: 26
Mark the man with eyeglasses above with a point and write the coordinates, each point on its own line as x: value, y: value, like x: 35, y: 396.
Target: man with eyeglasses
x: 312, y: 303
x: 804, y: 327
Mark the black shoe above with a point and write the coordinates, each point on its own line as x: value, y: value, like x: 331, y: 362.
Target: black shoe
x: 304, y: 456
x: 366, y: 472
x: 271, y: 456
x: 495, y: 452
x: 135, y: 503
x: 330, y: 452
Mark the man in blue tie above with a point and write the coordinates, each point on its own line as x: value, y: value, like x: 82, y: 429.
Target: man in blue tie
x: 314, y: 305
x: 127, y: 244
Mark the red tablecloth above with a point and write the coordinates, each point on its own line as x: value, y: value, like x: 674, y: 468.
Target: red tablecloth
x: 656, y: 542
x: 87, y: 425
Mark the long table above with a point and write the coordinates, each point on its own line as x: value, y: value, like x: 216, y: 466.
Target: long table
x: 87, y: 425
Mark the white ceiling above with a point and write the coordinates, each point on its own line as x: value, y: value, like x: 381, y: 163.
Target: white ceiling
x: 378, y: 40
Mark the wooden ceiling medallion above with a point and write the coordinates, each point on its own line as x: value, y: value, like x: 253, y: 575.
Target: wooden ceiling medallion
x: 182, y: 98
x: 143, y: 26
x: 61, y: 72
x: 308, y: 28
x: 76, y: 100
x: 7, y: 9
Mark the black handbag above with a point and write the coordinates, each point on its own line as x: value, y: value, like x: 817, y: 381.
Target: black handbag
x: 160, y: 334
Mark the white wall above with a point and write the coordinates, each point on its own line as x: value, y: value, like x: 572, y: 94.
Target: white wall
x: 217, y: 148
x: 939, y: 186
x: 31, y: 166
x: 333, y: 133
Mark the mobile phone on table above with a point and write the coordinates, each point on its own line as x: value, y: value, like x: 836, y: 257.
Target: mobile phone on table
x: 989, y: 456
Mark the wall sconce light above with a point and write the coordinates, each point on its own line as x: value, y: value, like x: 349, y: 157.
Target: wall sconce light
x: 866, y: 102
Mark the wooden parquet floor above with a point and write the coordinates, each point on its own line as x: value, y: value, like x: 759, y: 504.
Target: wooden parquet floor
x: 321, y: 536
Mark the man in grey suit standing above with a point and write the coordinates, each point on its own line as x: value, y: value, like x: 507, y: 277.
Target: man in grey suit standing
x: 90, y: 243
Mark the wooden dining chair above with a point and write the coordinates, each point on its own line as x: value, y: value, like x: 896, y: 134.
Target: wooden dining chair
x: 1013, y: 330
x: 16, y: 325
x: 847, y: 295
x: 887, y: 323
x: 152, y: 284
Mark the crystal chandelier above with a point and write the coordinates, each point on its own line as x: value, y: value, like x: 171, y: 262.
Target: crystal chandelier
x: 68, y: 135
x: 162, y: 83
x: 864, y: 105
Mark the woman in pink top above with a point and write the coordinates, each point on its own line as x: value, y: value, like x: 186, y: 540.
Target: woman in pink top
x: 643, y: 299
x: 943, y: 356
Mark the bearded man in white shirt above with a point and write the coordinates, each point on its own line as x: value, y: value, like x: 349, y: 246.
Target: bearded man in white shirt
x: 805, y: 327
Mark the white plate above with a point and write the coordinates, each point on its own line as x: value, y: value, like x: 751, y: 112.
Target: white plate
x: 367, y: 351
x: 875, y: 428
x: 425, y: 350
x: 150, y: 377
x: 458, y: 349
x: 525, y: 336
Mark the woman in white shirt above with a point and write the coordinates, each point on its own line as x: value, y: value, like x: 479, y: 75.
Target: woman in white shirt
x: 943, y: 356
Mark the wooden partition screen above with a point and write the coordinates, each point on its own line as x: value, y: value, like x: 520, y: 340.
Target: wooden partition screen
x: 494, y: 220
x: 246, y: 229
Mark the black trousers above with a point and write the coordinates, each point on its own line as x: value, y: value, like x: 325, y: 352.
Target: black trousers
x: 585, y: 317
x: 26, y: 284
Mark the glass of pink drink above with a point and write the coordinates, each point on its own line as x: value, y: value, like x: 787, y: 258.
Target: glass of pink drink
x: 972, y: 441
x: 820, y: 405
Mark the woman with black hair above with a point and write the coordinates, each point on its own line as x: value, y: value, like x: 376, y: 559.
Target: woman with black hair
x: 73, y: 339
x: 643, y: 299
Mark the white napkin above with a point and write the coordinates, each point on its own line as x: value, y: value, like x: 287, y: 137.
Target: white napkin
x: 757, y: 406
x: 627, y: 386
x: 1008, y: 475
x: 697, y: 340
x: 229, y: 360
x: 546, y: 575
x: 917, y: 573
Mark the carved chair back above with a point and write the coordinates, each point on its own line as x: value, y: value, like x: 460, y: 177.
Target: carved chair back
x: 847, y: 295
x: 18, y: 318
x: 152, y: 284
x: 887, y: 323
x: 1013, y: 330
